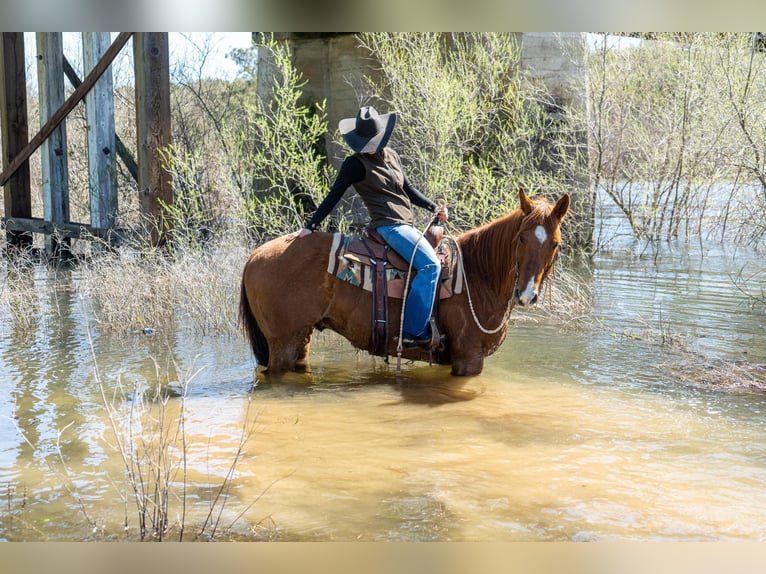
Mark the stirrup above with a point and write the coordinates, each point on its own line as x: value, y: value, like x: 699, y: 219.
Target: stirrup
x: 428, y: 343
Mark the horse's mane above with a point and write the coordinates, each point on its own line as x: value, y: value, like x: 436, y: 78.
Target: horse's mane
x: 488, y: 250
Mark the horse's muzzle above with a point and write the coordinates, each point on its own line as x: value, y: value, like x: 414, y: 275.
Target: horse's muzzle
x: 523, y: 300
x: 526, y: 297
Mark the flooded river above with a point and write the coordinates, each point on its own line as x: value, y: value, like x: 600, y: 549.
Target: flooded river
x: 614, y: 429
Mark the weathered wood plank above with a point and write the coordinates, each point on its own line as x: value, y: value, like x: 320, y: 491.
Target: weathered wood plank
x: 67, y: 230
x: 55, y: 165
x: 99, y: 110
x: 122, y: 151
x: 68, y: 106
x: 152, y: 70
x: 15, y: 131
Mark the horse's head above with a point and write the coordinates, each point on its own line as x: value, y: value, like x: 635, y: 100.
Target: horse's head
x: 537, y: 245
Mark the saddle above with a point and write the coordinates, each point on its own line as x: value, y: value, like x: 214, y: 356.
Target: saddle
x: 365, y: 260
x: 370, y: 246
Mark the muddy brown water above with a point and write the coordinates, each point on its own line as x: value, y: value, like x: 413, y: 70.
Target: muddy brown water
x: 569, y: 434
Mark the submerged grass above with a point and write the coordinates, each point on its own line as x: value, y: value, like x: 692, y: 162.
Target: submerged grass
x: 719, y: 373
x: 149, y: 433
x: 195, y: 286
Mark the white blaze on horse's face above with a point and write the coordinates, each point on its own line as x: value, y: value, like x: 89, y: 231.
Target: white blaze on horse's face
x: 529, y: 295
x: 541, y: 234
x: 535, y: 249
x: 536, y: 245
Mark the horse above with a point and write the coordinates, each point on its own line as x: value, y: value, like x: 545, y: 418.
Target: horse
x: 287, y: 292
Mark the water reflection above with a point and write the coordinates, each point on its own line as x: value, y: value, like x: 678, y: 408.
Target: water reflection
x: 418, y: 384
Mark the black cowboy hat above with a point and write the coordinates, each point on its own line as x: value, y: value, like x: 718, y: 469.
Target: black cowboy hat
x: 369, y: 131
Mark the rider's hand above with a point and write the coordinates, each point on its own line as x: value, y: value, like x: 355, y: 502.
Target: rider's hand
x: 298, y: 234
x: 441, y: 213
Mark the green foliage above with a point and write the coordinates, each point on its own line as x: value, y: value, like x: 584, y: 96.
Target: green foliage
x: 242, y: 161
x: 189, y: 218
x: 247, y: 60
x: 673, y: 124
x: 281, y: 147
x: 472, y: 128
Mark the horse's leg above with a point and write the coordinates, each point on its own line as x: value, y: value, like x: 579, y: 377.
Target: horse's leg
x: 289, y: 337
x: 288, y: 291
x: 302, y: 360
x: 287, y: 355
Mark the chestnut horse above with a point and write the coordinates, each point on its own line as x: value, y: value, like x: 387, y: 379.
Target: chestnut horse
x: 287, y: 292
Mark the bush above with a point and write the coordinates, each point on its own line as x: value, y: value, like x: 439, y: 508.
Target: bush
x: 473, y: 128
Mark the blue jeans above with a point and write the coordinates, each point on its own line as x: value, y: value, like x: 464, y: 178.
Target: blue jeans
x: 420, y: 300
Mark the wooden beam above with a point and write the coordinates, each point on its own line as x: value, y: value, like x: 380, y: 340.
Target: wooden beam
x: 122, y: 151
x: 15, y: 131
x: 68, y: 106
x: 55, y: 166
x: 102, y: 147
x: 152, y: 70
x: 68, y: 230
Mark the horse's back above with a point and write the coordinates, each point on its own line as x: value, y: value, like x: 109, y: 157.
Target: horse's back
x: 290, y: 255
x: 287, y: 269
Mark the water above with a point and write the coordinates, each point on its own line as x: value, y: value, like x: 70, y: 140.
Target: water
x: 570, y: 433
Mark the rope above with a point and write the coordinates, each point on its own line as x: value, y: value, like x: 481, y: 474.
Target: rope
x: 482, y: 328
x: 400, y: 344
x: 508, y: 308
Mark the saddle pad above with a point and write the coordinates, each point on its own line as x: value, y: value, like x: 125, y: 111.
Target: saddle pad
x: 349, y: 268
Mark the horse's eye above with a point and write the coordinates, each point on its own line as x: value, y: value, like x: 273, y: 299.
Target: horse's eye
x: 521, y: 239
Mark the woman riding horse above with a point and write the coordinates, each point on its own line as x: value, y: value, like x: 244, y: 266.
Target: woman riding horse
x: 375, y: 170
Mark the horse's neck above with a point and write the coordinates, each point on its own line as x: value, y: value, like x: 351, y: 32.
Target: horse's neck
x: 489, y: 255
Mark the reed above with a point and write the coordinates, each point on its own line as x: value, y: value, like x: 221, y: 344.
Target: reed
x: 190, y: 287
x: 149, y: 434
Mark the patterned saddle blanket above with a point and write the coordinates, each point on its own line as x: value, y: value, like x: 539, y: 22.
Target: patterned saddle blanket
x: 352, y: 259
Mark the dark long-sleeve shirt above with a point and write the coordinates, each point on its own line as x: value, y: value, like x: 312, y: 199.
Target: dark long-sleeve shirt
x: 380, y: 181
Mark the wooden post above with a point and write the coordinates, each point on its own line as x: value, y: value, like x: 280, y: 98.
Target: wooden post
x: 61, y: 113
x: 122, y: 151
x: 102, y: 147
x: 50, y: 77
x: 15, y: 132
x: 152, y: 70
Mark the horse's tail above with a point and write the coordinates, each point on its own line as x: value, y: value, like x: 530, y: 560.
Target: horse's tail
x: 251, y: 328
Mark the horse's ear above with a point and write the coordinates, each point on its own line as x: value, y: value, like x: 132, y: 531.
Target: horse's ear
x: 524, y: 202
x: 561, y: 207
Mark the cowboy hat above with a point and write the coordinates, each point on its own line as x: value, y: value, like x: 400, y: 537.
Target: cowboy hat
x: 369, y: 131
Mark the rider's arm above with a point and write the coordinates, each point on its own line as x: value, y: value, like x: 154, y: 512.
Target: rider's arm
x: 351, y: 171
x: 417, y: 197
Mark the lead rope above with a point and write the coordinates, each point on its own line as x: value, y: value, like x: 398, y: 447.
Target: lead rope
x: 399, y: 344
x: 482, y: 328
x: 508, y: 308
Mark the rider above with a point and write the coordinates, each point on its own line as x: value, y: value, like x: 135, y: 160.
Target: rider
x: 376, y: 173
